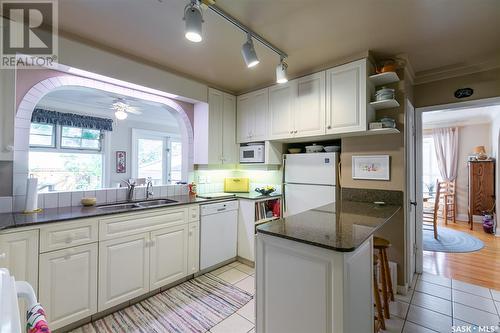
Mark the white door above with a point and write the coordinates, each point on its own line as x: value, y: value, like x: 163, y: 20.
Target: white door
x: 419, y: 255
x: 194, y: 248
x: 230, y: 153
x: 245, y: 118
x: 123, y: 269
x: 281, y: 105
x: 346, y: 99
x: 68, y: 284
x: 169, y: 255
x: 318, y: 168
x: 260, y: 105
x: 411, y: 184
x: 310, y: 111
x: 300, y: 198
x: 215, y: 110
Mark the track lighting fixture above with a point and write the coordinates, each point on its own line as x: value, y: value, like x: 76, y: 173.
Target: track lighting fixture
x: 281, y: 72
x: 194, y: 20
x: 248, y: 52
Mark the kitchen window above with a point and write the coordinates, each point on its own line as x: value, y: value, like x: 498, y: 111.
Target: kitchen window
x: 66, y: 158
x: 157, y: 156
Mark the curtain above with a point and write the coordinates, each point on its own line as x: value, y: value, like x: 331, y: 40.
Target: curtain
x: 446, y: 146
x: 71, y: 119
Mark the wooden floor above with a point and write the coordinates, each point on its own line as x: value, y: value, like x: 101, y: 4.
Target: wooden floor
x: 481, y: 267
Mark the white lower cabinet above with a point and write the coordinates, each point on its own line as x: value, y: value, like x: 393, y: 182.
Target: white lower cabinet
x: 123, y: 269
x: 68, y: 284
x: 194, y: 248
x: 169, y: 255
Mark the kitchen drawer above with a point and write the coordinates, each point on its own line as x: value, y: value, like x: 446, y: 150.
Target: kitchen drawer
x: 68, y: 234
x: 194, y: 213
x: 133, y: 223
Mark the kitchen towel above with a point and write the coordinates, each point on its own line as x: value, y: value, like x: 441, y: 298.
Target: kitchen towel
x: 31, y: 204
x: 36, y: 321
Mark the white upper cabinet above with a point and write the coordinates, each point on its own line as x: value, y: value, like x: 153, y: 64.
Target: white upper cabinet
x: 252, y: 116
x: 281, y: 107
x: 347, y: 97
x: 297, y: 108
x: 309, y: 111
x: 215, y: 129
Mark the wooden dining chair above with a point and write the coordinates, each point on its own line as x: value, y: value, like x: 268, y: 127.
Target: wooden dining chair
x: 449, y: 198
x: 430, y: 216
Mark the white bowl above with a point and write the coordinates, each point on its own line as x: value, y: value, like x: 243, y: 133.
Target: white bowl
x: 314, y: 149
x: 332, y: 149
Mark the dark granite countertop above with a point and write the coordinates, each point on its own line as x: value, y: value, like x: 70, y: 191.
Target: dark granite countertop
x: 14, y: 220
x: 343, y: 230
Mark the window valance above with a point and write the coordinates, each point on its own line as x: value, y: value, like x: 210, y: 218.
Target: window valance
x: 71, y: 119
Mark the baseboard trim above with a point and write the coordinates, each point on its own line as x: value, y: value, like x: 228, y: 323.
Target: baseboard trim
x: 465, y: 217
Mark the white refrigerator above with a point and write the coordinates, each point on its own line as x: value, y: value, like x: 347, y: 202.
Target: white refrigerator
x: 310, y: 182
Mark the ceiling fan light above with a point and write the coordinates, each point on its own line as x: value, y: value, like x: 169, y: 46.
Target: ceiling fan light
x: 194, y: 20
x: 248, y: 53
x: 121, y: 115
x: 282, y: 72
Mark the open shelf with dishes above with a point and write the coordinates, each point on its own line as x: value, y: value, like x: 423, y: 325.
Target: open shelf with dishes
x: 384, y: 78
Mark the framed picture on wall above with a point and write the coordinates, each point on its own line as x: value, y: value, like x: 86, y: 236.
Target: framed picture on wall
x: 121, y: 162
x: 374, y: 167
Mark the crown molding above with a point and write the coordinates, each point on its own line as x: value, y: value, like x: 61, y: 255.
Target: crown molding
x: 447, y: 72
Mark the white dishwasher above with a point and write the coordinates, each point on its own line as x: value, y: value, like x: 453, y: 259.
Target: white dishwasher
x: 218, y: 232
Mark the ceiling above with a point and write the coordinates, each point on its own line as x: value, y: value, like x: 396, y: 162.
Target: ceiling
x: 460, y: 117
x: 314, y: 33
x: 96, y: 102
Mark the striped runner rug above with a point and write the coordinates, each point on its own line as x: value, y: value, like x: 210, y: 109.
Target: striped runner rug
x: 196, y: 305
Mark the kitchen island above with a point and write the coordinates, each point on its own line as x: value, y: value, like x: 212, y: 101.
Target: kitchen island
x: 314, y: 270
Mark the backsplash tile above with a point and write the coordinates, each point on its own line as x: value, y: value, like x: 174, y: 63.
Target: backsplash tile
x: 19, y: 203
x: 111, y: 196
x: 121, y: 194
x: 51, y: 200
x: 100, y: 196
x: 64, y: 199
x: 76, y: 198
x: 6, y: 204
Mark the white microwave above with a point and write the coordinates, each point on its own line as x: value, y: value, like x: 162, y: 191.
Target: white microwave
x: 252, y: 153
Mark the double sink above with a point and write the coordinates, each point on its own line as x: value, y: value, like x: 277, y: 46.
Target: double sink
x: 139, y: 204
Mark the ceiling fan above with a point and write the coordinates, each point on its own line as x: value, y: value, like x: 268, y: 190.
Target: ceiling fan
x: 122, y: 108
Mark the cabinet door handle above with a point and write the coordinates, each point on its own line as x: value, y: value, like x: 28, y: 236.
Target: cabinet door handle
x: 329, y: 127
x: 3, y: 255
x: 295, y: 131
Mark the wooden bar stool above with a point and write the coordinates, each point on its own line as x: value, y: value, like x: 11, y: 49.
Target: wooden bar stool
x: 379, y: 319
x: 382, y: 245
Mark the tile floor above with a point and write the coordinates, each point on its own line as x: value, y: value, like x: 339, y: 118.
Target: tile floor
x: 436, y: 304
x: 241, y: 276
x: 433, y: 304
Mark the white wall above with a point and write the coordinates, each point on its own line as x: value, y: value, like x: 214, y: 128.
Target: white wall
x: 468, y: 138
x: 121, y: 140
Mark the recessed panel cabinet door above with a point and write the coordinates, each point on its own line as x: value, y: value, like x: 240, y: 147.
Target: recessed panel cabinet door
x: 245, y: 118
x: 68, y: 284
x: 169, y: 255
x: 260, y: 107
x: 123, y: 269
x: 310, y: 110
x: 346, y: 100
x: 281, y: 104
x: 230, y: 153
x: 215, y: 107
x: 194, y: 248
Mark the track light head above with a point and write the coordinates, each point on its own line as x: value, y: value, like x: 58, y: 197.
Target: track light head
x: 194, y: 20
x: 248, y: 52
x: 281, y: 72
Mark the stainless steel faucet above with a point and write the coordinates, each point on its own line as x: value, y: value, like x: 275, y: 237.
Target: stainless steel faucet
x: 149, y: 188
x: 131, y: 187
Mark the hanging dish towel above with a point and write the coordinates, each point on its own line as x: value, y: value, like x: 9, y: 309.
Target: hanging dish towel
x: 36, y: 321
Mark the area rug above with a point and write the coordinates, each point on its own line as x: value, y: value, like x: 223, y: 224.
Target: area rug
x: 196, y: 305
x: 451, y: 241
